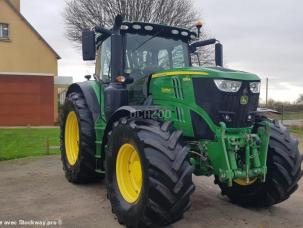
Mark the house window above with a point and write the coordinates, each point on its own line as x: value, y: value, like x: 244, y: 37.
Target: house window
x: 4, y: 31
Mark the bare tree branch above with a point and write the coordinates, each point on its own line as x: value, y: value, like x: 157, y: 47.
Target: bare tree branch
x: 80, y: 14
x: 88, y: 14
x: 300, y: 99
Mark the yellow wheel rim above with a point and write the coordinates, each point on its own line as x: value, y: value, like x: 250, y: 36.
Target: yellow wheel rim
x: 244, y: 182
x: 72, y: 138
x: 129, y: 173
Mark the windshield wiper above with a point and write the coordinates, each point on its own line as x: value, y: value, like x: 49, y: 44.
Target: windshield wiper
x: 144, y: 42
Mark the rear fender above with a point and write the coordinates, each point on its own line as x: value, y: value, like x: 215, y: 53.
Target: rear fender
x: 90, y: 97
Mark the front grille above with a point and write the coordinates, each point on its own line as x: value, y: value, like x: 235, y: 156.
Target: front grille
x: 220, y: 105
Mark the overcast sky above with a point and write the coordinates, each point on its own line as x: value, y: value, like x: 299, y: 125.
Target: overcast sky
x: 263, y: 37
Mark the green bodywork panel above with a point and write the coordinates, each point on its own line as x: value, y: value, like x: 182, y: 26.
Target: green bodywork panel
x: 100, y: 124
x: 173, y: 91
x: 163, y: 90
x: 215, y: 72
x: 233, y: 154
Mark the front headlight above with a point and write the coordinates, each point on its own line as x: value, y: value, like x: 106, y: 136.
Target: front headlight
x: 228, y: 85
x: 255, y: 87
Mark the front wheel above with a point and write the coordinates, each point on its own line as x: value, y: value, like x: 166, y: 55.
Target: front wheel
x: 149, y: 180
x: 283, y: 173
x: 78, y: 140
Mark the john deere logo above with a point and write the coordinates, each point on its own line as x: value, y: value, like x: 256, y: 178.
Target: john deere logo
x: 244, y: 100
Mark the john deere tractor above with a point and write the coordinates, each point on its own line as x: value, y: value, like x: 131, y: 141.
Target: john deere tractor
x: 150, y: 120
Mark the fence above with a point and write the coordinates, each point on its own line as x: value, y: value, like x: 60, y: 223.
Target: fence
x: 27, y: 141
x: 49, y: 147
x: 288, y: 113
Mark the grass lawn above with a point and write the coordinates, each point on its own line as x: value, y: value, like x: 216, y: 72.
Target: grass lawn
x: 298, y: 132
x: 294, y: 116
x: 27, y: 142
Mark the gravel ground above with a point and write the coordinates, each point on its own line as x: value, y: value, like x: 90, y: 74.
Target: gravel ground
x: 35, y: 189
x: 300, y: 142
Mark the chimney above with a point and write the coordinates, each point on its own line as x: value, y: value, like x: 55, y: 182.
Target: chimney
x: 16, y: 4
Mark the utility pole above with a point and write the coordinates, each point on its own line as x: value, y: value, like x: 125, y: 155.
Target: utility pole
x: 266, y: 92
x: 282, y: 119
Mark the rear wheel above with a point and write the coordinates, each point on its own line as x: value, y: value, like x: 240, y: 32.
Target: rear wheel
x: 78, y: 140
x: 283, y: 173
x: 149, y: 180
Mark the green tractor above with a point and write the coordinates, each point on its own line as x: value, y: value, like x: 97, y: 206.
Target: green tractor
x: 150, y: 120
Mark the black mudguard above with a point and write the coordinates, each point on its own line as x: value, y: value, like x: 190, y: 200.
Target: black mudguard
x: 89, y: 95
x: 135, y: 111
x: 128, y: 111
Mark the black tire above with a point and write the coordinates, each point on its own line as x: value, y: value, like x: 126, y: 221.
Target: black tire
x: 167, y: 175
x: 284, y: 172
x: 83, y: 170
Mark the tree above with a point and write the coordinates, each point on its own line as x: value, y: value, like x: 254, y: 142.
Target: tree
x: 204, y: 56
x: 88, y: 14
x: 300, y: 99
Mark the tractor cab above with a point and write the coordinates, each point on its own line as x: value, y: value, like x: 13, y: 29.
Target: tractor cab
x: 146, y: 49
x: 143, y: 48
x: 131, y: 52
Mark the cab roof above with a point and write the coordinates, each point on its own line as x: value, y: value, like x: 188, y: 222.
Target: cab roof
x: 152, y: 29
x: 158, y: 30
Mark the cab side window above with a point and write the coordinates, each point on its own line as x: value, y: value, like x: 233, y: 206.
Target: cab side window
x: 178, y: 57
x: 105, y: 60
x: 163, y: 59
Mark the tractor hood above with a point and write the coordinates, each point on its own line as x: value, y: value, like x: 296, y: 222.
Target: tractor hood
x: 209, y: 72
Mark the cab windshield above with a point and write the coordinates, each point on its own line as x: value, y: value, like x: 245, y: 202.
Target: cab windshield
x: 147, y: 54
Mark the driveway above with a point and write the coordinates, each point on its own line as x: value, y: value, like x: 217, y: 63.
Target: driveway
x: 301, y: 145
x: 300, y: 142
x: 35, y: 189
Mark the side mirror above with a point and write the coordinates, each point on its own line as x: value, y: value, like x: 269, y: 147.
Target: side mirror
x: 218, y: 49
x: 219, y: 54
x: 88, y: 45
x: 88, y: 77
x: 202, y: 43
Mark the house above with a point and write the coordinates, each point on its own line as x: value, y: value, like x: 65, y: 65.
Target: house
x: 28, y: 71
